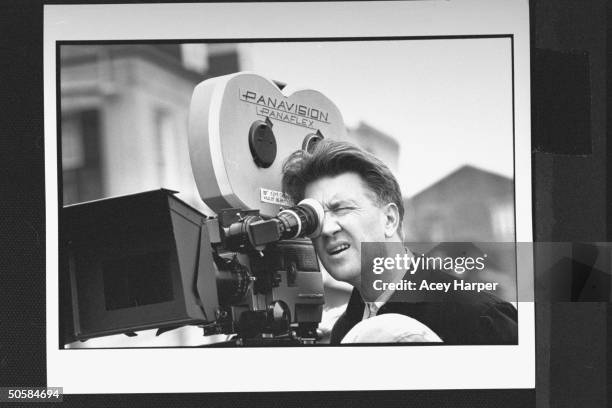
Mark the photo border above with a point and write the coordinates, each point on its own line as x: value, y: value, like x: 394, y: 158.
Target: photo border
x: 429, y: 377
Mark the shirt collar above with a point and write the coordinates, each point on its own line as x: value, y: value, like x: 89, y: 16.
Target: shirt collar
x: 372, y: 308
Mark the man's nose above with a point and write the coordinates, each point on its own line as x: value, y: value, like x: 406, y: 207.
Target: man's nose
x: 330, y: 225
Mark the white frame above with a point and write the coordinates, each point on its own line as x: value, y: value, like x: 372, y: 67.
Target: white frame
x: 315, y: 368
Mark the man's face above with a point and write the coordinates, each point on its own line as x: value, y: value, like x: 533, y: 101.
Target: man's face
x: 351, y: 217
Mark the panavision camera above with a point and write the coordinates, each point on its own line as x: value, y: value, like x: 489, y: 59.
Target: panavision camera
x: 149, y: 260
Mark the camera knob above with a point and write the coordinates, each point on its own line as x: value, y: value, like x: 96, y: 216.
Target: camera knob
x: 311, y: 140
x: 262, y: 143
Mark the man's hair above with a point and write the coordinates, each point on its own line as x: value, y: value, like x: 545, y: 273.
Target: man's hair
x: 331, y: 158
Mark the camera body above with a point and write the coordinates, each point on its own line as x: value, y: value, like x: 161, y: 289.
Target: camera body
x: 150, y: 260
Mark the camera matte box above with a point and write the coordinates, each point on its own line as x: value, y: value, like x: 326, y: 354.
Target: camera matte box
x: 132, y: 263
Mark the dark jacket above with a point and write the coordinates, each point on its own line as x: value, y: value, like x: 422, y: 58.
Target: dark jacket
x: 457, y: 317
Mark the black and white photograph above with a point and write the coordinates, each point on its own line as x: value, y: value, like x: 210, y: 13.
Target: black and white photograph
x: 126, y: 129
x: 305, y: 203
x: 279, y: 192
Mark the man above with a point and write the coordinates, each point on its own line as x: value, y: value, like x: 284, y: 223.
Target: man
x: 363, y: 204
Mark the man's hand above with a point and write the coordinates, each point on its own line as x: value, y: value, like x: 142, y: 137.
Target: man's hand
x: 391, y: 328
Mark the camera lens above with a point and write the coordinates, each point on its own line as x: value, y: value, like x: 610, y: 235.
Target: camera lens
x: 232, y: 280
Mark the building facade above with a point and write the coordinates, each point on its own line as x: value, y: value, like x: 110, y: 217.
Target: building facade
x: 124, y: 117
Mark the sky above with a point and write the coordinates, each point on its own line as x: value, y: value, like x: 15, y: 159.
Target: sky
x: 448, y: 102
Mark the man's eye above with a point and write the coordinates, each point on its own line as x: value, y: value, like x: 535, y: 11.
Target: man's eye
x: 342, y: 209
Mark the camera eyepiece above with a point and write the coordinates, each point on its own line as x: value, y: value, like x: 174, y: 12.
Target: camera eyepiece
x: 302, y: 220
x: 305, y: 219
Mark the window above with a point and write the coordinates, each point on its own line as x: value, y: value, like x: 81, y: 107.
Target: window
x: 81, y: 161
x: 502, y: 219
x: 167, y: 163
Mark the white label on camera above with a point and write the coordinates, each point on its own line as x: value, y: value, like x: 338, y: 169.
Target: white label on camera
x: 274, y: 197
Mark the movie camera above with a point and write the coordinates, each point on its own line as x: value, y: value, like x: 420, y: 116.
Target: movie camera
x: 150, y: 260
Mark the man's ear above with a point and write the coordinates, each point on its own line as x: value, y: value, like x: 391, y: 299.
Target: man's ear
x: 392, y: 220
